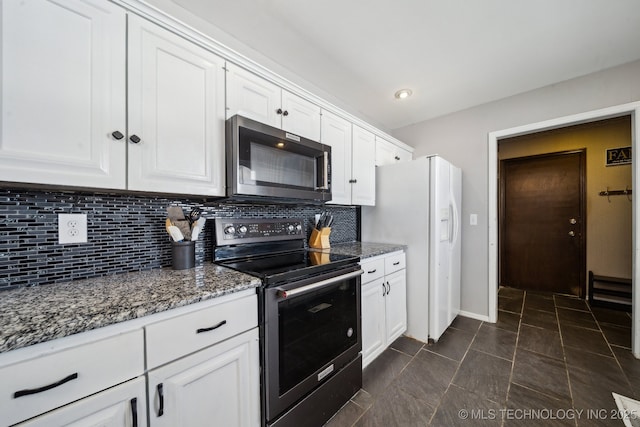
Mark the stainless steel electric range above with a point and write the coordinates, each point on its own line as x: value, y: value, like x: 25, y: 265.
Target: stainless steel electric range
x: 309, y: 313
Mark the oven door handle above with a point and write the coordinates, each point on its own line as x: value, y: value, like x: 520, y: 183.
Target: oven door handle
x: 282, y: 293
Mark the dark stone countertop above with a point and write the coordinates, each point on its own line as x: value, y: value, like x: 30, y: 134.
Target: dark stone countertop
x: 32, y: 315
x: 363, y: 249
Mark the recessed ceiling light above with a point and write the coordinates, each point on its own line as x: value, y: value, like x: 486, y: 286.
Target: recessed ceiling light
x: 403, y: 93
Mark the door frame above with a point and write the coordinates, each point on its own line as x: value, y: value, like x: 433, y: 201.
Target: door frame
x: 583, y: 211
x: 632, y: 109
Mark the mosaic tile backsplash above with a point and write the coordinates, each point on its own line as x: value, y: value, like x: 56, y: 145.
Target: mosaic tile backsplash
x: 125, y: 232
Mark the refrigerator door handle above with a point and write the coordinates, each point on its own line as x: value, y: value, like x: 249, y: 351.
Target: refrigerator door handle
x: 455, y: 224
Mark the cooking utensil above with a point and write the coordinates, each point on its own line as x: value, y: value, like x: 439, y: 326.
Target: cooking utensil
x: 184, y: 227
x: 175, y: 213
x: 194, y: 215
x: 198, y: 226
x: 175, y: 233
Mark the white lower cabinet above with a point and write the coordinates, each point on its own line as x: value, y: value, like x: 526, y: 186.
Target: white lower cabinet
x: 217, y: 386
x: 193, y: 366
x: 124, y: 405
x: 384, y: 303
x: 48, y: 379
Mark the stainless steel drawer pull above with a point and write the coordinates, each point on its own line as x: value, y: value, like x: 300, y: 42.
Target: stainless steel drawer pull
x: 396, y: 263
x: 27, y: 392
x: 372, y: 271
x: 224, y: 322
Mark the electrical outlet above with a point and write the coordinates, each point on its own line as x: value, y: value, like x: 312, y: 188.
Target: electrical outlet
x: 72, y: 228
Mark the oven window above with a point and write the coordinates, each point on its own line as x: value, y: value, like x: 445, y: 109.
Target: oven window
x: 314, y: 328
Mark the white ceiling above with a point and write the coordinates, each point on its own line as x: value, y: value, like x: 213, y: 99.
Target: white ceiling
x: 453, y: 54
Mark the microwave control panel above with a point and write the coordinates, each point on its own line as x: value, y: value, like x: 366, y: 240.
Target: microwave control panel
x: 251, y: 230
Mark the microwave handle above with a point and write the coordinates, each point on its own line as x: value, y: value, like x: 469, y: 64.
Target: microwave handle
x: 325, y: 172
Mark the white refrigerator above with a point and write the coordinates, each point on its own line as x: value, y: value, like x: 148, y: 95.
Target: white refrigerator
x: 418, y: 205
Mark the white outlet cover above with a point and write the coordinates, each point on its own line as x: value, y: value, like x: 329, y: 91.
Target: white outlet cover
x: 72, y: 228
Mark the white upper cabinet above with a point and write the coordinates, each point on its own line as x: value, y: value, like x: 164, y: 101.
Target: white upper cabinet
x: 388, y: 153
x: 336, y: 132
x: 256, y: 98
x: 353, y: 173
x: 363, y: 173
x: 176, y: 113
x: 300, y: 116
x: 251, y: 96
x: 63, y: 93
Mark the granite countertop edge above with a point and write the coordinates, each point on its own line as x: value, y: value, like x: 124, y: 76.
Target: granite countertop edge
x: 364, y: 250
x: 37, y: 314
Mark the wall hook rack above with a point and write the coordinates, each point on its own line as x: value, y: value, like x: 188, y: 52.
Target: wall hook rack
x: 608, y: 193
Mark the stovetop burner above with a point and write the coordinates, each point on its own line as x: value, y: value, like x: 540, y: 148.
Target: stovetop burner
x: 272, y: 249
x: 286, y: 266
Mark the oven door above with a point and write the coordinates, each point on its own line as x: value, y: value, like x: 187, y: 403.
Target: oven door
x: 269, y: 162
x: 312, y: 329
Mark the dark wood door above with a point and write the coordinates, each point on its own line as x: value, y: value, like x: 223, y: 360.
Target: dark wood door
x: 542, y: 223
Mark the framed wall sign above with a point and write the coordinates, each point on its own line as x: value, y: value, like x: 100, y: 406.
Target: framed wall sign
x: 618, y: 156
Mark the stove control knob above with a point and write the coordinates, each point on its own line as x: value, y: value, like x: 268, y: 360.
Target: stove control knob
x: 290, y: 228
x: 299, y: 228
x: 230, y: 229
x: 242, y: 229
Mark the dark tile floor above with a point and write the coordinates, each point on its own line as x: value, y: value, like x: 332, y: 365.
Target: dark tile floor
x: 549, y: 360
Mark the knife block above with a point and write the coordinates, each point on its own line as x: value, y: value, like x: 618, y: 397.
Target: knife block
x: 320, y: 239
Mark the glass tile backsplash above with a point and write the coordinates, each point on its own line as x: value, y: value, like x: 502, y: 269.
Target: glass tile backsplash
x: 125, y: 232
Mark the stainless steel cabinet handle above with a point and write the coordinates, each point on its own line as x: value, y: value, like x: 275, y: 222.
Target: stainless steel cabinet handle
x: 396, y: 263
x: 572, y: 233
x: 303, y: 289
x: 372, y: 271
x: 388, y: 288
x: 384, y: 289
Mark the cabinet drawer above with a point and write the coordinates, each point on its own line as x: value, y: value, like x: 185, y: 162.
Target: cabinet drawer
x: 171, y: 339
x: 372, y: 270
x: 394, y: 262
x: 37, y: 385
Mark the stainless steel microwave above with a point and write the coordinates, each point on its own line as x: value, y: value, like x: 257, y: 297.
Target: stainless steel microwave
x: 271, y: 164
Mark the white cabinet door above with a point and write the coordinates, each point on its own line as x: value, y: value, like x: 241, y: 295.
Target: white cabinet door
x: 385, y: 152
x: 300, y: 116
x: 363, y: 168
x: 256, y: 98
x: 396, y: 305
x: 251, y: 96
x: 176, y: 109
x: 404, y: 155
x: 373, y: 320
x: 336, y: 132
x: 122, y: 406
x: 388, y: 153
x: 63, y: 93
x: 216, y: 386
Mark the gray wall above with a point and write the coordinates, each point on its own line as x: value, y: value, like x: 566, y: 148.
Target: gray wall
x: 462, y: 139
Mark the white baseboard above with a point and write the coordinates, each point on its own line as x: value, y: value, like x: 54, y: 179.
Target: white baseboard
x: 474, y: 315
